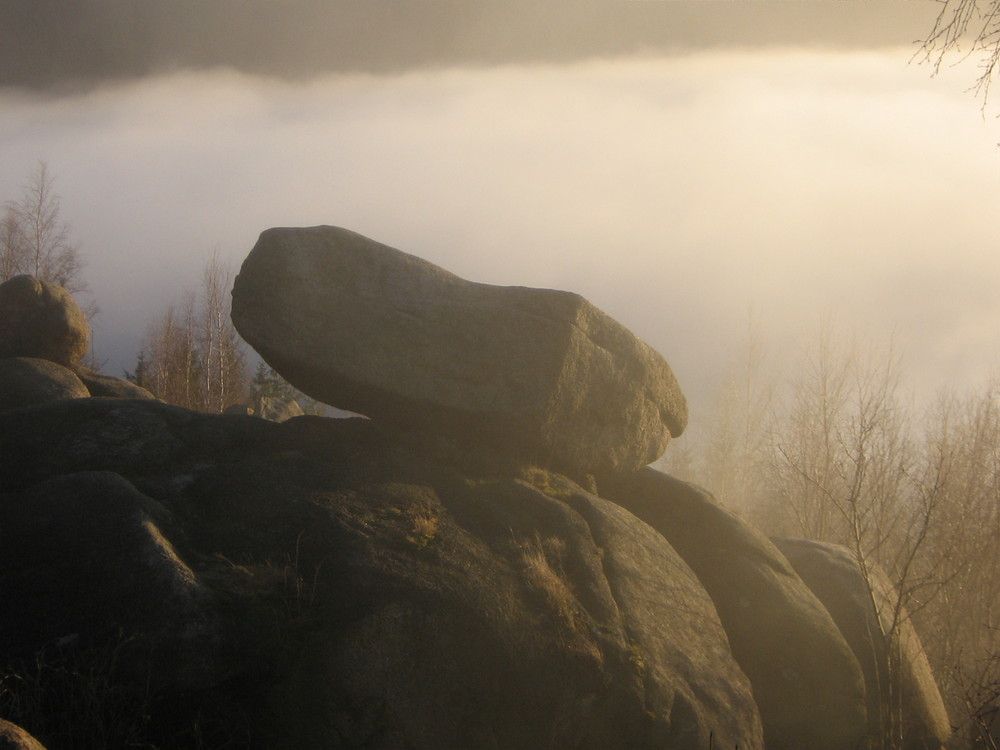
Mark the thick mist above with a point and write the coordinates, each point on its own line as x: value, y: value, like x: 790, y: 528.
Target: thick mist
x: 677, y: 193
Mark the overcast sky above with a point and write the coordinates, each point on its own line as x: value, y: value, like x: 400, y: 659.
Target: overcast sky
x: 676, y: 190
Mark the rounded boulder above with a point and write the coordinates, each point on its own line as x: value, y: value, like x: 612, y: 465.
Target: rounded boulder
x: 42, y: 320
x: 25, y: 381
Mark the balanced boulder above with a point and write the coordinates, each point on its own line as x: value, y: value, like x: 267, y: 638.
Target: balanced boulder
x: 370, y: 329
x: 39, y: 319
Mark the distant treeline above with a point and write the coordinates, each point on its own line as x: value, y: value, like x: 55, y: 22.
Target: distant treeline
x: 65, y: 42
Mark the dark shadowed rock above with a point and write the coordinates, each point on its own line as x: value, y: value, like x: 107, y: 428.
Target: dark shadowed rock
x: 127, y: 436
x: 83, y: 556
x: 13, y: 737
x: 25, y: 381
x: 105, y: 386
x: 499, y: 615
x: 365, y: 594
x: 805, y: 678
x: 38, y: 319
x: 367, y: 328
x: 833, y: 574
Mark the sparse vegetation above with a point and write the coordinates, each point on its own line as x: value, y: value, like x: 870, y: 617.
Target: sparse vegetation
x: 544, y: 575
x: 425, y: 529
x: 73, y: 697
x: 546, y: 482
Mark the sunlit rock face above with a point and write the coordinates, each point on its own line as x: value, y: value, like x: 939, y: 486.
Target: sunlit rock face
x: 903, y: 700
x: 43, y: 336
x: 41, y: 320
x: 373, y: 330
x: 13, y: 737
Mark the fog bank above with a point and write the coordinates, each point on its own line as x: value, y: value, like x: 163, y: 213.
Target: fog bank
x: 675, y: 192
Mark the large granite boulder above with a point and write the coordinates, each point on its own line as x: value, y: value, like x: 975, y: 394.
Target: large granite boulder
x: 39, y: 319
x: 25, y: 380
x: 340, y: 587
x: 806, y: 680
x: 372, y: 330
x: 903, y: 700
x: 510, y: 617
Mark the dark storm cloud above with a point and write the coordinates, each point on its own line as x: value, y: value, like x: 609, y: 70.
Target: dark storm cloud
x: 57, y: 43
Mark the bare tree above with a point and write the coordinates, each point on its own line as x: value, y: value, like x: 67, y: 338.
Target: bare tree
x: 34, y: 238
x: 223, y: 361
x: 738, y: 438
x: 837, y: 454
x: 961, y: 624
x: 13, y: 246
x: 848, y: 472
x: 969, y: 28
x: 192, y: 355
x: 171, y: 362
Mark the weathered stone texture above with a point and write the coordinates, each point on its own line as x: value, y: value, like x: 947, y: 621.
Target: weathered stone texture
x: 806, y: 680
x: 367, y: 328
x: 39, y: 319
x: 909, y: 687
x: 25, y: 381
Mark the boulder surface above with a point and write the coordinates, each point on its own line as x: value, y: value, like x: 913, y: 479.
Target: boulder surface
x: 25, y: 380
x: 806, y: 680
x: 12, y: 737
x: 905, y: 699
x: 39, y: 319
x: 106, y: 386
x: 83, y: 555
x: 375, y: 331
x: 323, y: 583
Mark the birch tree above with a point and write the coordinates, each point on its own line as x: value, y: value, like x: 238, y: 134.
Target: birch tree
x: 191, y: 355
x: 223, y: 360
x: 35, y: 240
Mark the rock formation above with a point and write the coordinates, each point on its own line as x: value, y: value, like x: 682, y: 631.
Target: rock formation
x: 12, y: 737
x: 220, y: 580
x: 320, y: 583
x: 43, y: 336
x: 908, y: 691
x: 805, y: 678
x: 25, y: 380
x: 41, y: 320
x: 104, y: 386
x: 367, y: 328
